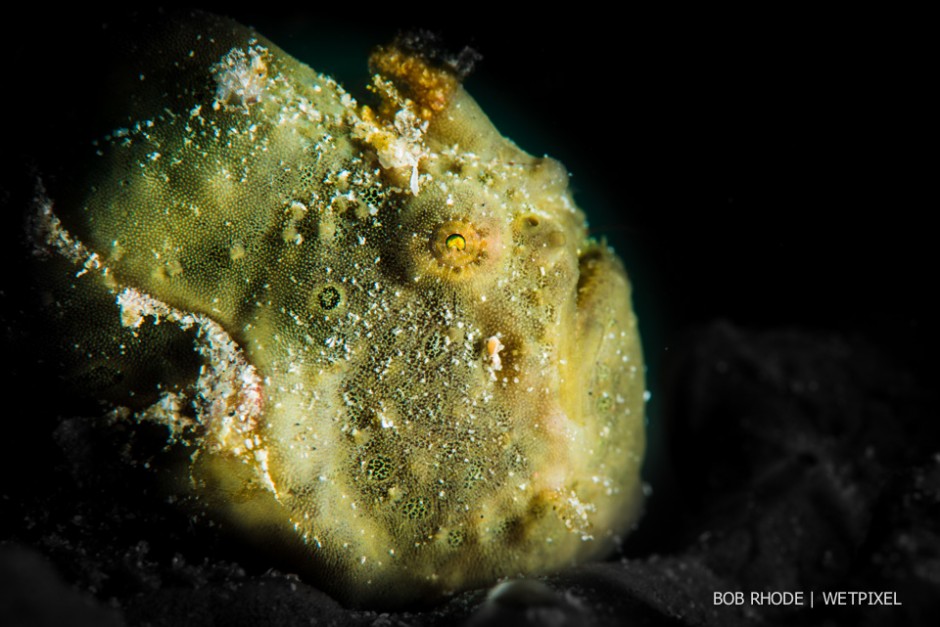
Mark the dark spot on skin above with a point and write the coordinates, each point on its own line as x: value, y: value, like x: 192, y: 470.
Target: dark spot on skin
x: 416, y: 508
x: 378, y: 468
x: 329, y: 298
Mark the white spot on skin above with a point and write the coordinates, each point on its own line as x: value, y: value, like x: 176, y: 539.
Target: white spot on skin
x: 399, y: 145
x: 493, y: 347
x: 240, y: 77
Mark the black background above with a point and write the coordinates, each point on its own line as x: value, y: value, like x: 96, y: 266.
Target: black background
x: 767, y: 169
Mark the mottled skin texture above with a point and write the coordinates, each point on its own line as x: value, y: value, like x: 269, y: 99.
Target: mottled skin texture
x: 384, y: 334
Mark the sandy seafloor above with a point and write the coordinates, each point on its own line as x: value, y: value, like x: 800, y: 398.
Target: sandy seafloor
x: 758, y: 174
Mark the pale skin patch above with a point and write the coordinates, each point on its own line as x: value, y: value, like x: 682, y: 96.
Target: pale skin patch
x: 241, y: 78
x: 493, y: 348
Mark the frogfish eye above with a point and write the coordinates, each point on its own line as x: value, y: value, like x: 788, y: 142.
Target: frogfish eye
x: 456, y: 241
x: 456, y: 244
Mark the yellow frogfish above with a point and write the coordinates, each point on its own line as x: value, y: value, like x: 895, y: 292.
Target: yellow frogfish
x: 381, y: 331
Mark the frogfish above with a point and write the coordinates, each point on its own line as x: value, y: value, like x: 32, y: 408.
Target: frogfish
x: 380, y: 330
